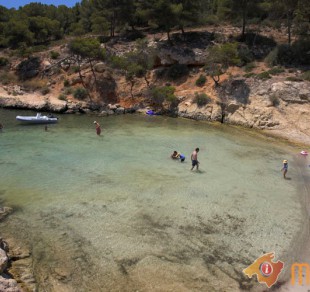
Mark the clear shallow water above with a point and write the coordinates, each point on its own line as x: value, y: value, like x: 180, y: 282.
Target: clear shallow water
x: 115, y: 213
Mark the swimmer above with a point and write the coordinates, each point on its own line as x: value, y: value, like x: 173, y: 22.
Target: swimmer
x: 177, y: 155
x: 284, y: 168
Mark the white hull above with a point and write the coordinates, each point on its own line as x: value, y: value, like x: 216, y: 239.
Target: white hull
x: 38, y: 119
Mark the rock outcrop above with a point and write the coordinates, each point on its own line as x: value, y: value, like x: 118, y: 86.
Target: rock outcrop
x: 282, y: 107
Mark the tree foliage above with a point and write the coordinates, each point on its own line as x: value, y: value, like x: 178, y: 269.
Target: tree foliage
x: 220, y: 57
x: 37, y: 23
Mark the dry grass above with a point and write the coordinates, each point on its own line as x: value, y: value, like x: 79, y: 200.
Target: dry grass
x: 34, y: 84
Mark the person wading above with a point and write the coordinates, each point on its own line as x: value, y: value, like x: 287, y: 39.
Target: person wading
x: 98, y: 128
x: 194, y: 158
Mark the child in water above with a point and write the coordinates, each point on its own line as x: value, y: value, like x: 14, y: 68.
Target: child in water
x: 98, y: 129
x: 177, y: 155
x: 284, y: 168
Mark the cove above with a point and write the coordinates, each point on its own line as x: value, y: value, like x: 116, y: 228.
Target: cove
x: 115, y: 213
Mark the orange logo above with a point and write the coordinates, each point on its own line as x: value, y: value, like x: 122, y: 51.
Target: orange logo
x: 300, y: 268
x: 265, y: 269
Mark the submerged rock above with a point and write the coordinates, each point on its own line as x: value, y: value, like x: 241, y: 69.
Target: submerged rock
x: 4, y: 211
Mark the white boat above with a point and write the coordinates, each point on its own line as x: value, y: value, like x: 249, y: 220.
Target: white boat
x: 38, y: 119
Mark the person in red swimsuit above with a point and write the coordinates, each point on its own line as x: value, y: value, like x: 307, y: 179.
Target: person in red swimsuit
x: 98, y: 129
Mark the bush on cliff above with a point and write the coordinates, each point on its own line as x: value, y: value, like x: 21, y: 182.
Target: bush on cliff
x: 201, y: 80
x: 3, y: 61
x: 159, y: 95
x: 80, y: 93
x: 29, y: 68
x: 201, y: 99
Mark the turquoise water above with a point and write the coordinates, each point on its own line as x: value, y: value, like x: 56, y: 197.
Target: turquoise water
x: 115, y: 213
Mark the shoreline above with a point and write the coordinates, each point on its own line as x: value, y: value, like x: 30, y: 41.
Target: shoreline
x: 118, y: 110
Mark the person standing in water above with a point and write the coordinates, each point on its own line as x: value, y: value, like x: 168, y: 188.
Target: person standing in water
x: 98, y: 128
x: 284, y: 168
x: 194, y: 158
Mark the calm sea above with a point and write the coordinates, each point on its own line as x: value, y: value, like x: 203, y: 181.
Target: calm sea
x: 115, y: 213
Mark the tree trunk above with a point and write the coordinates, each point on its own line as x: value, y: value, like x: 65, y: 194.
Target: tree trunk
x: 92, y: 69
x: 289, y: 26
x: 168, y: 35
x: 147, y: 82
x: 244, y: 16
x: 132, y: 83
x: 82, y: 81
x: 216, y: 80
x: 111, y: 28
x: 182, y: 30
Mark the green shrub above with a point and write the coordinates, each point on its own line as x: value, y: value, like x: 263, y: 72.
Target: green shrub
x: 39, y: 48
x: 68, y: 91
x: 245, y: 54
x: 160, y: 94
x: 294, y: 79
x: 274, y: 100
x: 264, y: 75
x: 276, y: 70
x: 28, y: 68
x: 306, y: 75
x: 3, y: 61
x: 62, y: 97
x: 75, y: 69
x: 54, y: 55
x: 201, y: 99
x: 296, y: 54
x: 80, y: 93
x: 66, y: 83
x: 272, y: 58
x: 177, y: 71
x: 45, y: 90
x: 201, y: 80
x: 211, y: 20
x: 249, y: 67
x: 249, y: 75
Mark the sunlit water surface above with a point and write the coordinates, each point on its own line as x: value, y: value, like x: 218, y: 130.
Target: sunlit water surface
x: 115, y: 213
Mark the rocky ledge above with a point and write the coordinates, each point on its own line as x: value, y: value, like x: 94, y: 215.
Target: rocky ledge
x: 275, y: 106
x: 22, y: 100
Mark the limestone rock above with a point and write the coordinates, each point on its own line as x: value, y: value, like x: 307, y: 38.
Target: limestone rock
x: 292, y: 92
x: 57, y: 105
x: 120, y: 110
x: 9, y: 285
x: 3, y: 261
x: 112, y: 106
x: 100, y: 67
